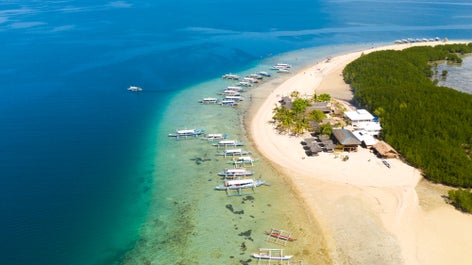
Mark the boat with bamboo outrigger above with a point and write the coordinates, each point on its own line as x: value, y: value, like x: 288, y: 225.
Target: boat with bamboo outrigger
x: 243, y: 160
x: 229, y: 173
x: 234, y: 152
x: 215, y: 136
x: 271, y: 254
x: 187, y: 133
x: 225, y: 143
x: 235, y: 187
x: 279, y: 236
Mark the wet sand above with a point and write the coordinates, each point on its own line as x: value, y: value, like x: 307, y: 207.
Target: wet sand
x: 368, y: 213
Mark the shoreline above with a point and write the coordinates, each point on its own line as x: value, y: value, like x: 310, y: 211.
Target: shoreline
x: 367, y: 212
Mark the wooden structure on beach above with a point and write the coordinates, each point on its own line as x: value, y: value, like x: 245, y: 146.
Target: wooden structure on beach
x: 346, y: 139
x: 384, y: 150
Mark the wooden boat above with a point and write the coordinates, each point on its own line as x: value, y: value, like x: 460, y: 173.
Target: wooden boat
x: 279, y: 236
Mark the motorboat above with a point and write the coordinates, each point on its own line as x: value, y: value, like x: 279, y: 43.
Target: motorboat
x: 135, y: 89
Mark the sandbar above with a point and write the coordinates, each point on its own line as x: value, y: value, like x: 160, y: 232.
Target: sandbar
x: 369, y: 214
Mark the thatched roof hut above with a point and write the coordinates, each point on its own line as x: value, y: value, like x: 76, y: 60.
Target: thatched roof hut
x: 385, y: 150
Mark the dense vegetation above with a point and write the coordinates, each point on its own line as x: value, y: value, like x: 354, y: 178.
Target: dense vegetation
x: 298, y: 118
x: 430, y: 126
x: 461, y: 199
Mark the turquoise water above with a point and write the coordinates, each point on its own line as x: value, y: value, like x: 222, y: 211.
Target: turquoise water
x: 87, y: 172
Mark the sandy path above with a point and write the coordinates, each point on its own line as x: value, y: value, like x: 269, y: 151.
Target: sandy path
x: 369, y: 213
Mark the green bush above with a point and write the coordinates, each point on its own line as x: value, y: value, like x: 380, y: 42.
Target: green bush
x: 429, y: 125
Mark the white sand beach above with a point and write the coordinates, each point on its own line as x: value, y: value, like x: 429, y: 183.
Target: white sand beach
x: 370, y: 214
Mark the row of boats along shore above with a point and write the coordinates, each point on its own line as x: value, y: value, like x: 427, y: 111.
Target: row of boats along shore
x: 232, y: 95
x: 237, y: 179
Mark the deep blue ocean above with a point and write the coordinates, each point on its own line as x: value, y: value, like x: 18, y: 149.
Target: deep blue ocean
x: 77, y: 149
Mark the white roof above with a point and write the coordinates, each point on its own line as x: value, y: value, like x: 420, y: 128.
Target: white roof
x: 365, y: 137
x: 227, y: 142
x: 370, y: 126
x: 359, y: 115
x: 233, y: 151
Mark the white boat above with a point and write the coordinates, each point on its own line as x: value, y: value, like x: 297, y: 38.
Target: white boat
x: 238, y: 184
x: 234, y: 152
x: 265, y: 74
x: 269, y: 257
x: 236, y: 88
x: 245, y: 84
x: 231, y: 76
x: 186, y: 133
x: 256, y: 76
x: 285, y: 65
x: 215, y: 136
x: 135, y: 89
x: 243, y: 160
x: 208, y: 100
x: 235, y: 172
x: 283, y: 70
x: 250, y: 80
x: 229, y: 92
x: 228, y: 143
x: 229, y: 102
x: 235, y: 98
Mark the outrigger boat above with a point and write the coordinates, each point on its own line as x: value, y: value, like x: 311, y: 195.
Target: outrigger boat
x: 186, y: 133
x: 231, y: 76
x: 236, y: 88
x: 271, y: 254
x: 208, y: 101
x: 238, y: 184
x: 229, y: 102
x: 234, y: 152
x: 228, y: 143
x: 235, y: 172
x: 215, y: 136
x: 243, y: 160
x: 279, y: 235
x: 234, y: 98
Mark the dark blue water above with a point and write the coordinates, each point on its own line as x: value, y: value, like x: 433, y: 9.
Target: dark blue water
x: 76, y: 148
